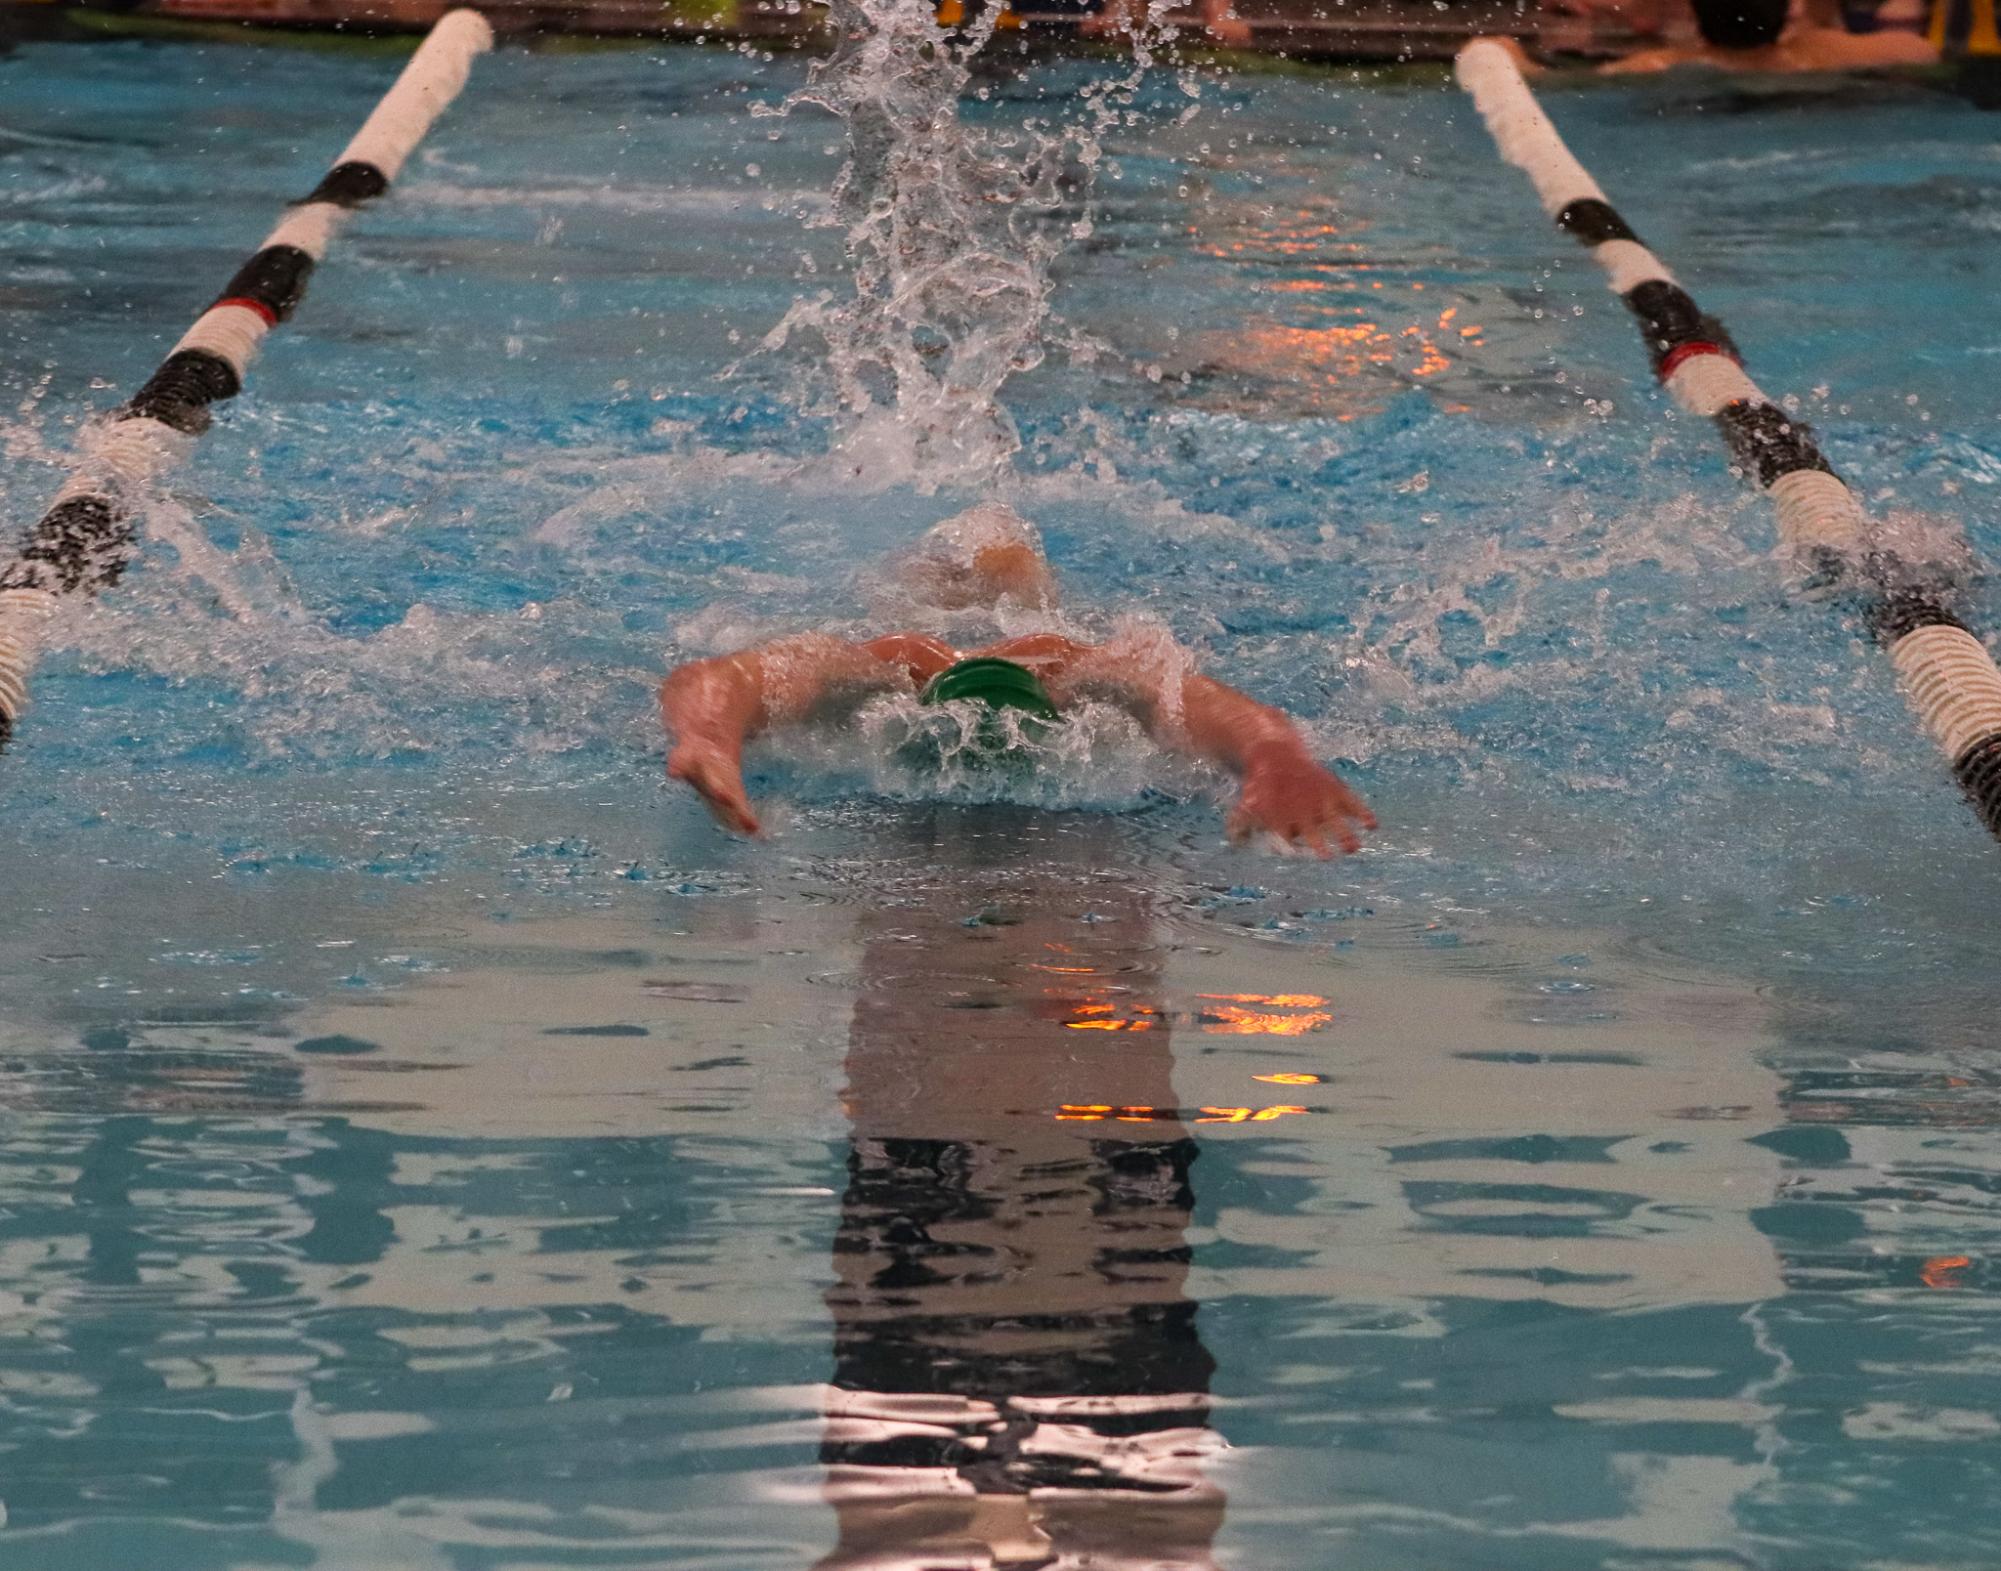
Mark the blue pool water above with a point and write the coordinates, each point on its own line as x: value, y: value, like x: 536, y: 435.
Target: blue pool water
x: 428, y: 1143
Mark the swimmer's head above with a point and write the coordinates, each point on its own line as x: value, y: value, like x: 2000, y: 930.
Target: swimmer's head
x: 979, y: 558
x: 993, y: 717
x: 1740, y: 24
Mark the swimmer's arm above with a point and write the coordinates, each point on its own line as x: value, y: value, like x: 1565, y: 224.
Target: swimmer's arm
x: 1181, y: 709
x: 1836, y: 49
x: 1647, y: 62
x: 1285, y: 790
x: 712, y: 707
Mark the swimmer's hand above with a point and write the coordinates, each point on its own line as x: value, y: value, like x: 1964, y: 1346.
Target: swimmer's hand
x: 1285, y: 793
x: 710, y: 708
x: 715, y: 770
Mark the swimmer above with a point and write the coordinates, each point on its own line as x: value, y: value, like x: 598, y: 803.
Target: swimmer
x: 1018, y: 686
x: 1751, y: 35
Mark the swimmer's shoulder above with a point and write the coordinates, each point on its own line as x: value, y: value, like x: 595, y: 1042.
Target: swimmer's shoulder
x: 1649, y: 62
x: 1042, y: 652
x: 1808, y: 50
x: 1832, y: 49
x: 921, y: 655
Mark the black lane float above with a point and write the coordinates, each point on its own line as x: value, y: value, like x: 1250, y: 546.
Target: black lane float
x: 83, y: 542
x: 1947, y: 673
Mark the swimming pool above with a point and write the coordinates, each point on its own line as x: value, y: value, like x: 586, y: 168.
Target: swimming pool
x: 430, y: 1144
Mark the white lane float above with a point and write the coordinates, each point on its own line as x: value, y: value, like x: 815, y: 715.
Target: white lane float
x: 1948, y: 675
x: 83, y: 540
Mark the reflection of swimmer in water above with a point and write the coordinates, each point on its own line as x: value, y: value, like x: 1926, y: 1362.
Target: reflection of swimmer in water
x: 1751, y: 35
x: 712, y: 707
x: 1019, y: 1374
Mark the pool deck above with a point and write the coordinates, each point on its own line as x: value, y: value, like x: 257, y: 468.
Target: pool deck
x: 1371, y: 31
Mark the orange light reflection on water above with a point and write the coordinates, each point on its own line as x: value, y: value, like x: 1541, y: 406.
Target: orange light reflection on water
x: 1234, y: 1020
x: 1942, y: 1271
x: 1219, y: 1014
x: 1108, y: 1112
x: 1318, y: 258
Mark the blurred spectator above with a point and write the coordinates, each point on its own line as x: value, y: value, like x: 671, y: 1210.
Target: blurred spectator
x: 1888, y: 16
x: 1762, y: 35
x: 1116, y: 18
x: 1642, y: 18
x: 1968, y: 27
x: 1095, y: 18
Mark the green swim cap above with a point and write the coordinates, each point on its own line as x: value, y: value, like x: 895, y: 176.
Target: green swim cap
x: 1015, y: 713
x: 999, y: 683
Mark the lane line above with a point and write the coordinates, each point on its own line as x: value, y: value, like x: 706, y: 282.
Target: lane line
x: 83, y: 542
x: 1948, y: 676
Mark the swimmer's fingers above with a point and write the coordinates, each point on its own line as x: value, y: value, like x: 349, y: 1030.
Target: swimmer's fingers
x: 1342, y: 815
x: 732, y: 810
x: 1280, y: 838
x: 719, y: 783
x: 1295, y: 835
x: 1249, y: 826
x: 736, y: 815
x: 1307, y: 811
x: 1342, y: 821
x: 1352, y: 806
x: 1314, y: 834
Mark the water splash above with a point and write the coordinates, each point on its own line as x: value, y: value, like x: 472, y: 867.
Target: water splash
x: 950, y: 256
x: 951, y: 232
x: 435, y: 681
x: 902, y: 750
